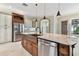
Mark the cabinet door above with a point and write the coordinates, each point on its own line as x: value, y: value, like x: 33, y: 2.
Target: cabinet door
x: 25, y: 43
x: 2, y: 34
x: 8, y: 34
x: 2, y: 20
x: 34, y: 50
x: 8, y: 20
x: 5, y: 35
x: 29, y: 46
x: 5, y: 28
x: 2, y: 28
x: 64, y: 50
x: 8, y: 23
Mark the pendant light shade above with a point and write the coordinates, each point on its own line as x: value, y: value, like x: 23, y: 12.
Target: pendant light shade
x: 36, y: 12
x: 58, y: 13
x: 44, y: 17
x: 36, y: 20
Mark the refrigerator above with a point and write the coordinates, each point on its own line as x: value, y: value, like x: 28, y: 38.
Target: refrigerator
x: 18, y: 28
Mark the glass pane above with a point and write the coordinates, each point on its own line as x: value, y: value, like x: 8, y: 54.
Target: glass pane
x: 45, y: 26
x: 75, y: 26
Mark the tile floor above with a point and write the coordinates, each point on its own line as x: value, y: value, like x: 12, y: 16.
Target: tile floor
x: 13, y: 49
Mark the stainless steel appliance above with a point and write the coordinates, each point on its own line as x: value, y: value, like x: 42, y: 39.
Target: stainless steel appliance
x: 46, y: 48
x: 17, y: 30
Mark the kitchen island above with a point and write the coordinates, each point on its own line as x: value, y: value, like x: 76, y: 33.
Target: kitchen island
x: 65, y: 43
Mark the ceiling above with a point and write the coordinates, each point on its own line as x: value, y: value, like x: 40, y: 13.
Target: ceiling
x: 51, y: 8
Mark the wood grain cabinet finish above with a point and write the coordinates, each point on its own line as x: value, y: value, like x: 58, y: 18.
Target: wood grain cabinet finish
x: 16, y: 18
x: 29, y: 47
x: 34, y: 49
x: 30, y: 44
x: 63, y: 50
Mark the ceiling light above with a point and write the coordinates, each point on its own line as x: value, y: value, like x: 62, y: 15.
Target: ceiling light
x: 36, y: 11
x: 58, y: 13
x: 44, y: 17
x: 44, y: 12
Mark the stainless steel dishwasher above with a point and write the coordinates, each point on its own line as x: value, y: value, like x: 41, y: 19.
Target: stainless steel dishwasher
x: 46, y: 48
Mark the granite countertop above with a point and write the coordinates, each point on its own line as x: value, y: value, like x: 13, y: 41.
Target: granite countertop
x: 28, y: 33
x: 59, y: 38
x: 31, y: 33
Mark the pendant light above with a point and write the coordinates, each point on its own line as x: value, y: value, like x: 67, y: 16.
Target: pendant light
x: 36, y: 12
x: 58, y: 12
x: 44, y: 11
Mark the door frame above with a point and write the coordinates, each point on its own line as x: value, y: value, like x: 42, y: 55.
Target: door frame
x: 67, y: 25
x: 40, y: 23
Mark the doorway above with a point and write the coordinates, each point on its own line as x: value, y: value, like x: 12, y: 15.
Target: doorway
x: 64, y: 27
x: 44, y: 25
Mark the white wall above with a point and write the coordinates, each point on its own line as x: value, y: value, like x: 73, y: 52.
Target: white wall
x: 51, y: 24
x: 5, y: 9
x: 8, y: 9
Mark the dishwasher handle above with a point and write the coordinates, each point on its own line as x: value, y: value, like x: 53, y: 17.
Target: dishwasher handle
x: 47, y: 44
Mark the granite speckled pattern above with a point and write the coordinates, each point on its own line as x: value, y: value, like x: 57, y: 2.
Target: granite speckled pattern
x: 59, y: 38
x: 62, y: 39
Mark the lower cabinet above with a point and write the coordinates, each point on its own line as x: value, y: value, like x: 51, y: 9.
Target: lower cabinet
x: 64, y: 50
x: 34, y: 49
x: 30, y: 46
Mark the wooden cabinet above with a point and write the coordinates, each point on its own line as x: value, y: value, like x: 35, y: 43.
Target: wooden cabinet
x: 16, y: 18
x: 34, y: 49
x: 24, y: 42
x: 30, y: 44
x: 64, y: 50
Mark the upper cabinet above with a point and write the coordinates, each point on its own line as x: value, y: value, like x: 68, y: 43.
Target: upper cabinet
x: 5, y: 20
x: 16, y: 18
